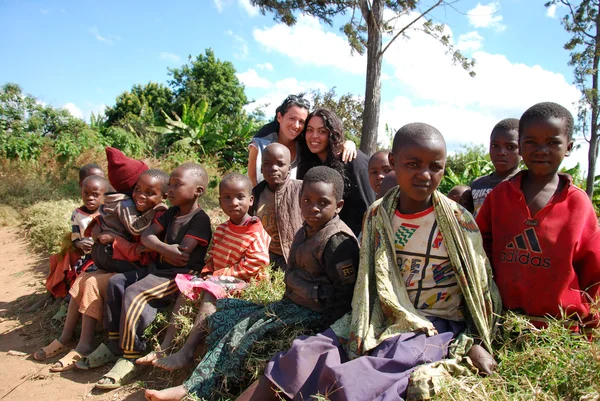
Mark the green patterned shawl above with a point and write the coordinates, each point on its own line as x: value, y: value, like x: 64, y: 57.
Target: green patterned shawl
x: 381, y: 308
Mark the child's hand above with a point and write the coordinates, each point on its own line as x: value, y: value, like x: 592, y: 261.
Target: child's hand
x: 482, y: 360
x: 106, y: 238
x: 85, y: 245
x: 176, y: 255
x: 141, y: 249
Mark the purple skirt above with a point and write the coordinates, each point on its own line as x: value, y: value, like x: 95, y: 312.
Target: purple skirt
x: 319, y: 365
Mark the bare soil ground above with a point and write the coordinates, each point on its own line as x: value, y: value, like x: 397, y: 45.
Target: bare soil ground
x: 22, y: 275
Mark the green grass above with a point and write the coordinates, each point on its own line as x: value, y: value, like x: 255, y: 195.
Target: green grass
x: 48, y: 225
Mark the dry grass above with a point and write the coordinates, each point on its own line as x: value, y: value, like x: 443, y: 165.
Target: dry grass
x: 9, y: 216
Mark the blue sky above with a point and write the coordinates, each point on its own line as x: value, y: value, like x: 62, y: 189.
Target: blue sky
x: 82, y: 54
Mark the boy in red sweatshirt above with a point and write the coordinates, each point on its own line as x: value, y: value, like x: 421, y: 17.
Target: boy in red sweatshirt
x: 546, y: 256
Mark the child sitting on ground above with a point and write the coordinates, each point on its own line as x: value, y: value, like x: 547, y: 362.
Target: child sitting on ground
x: 319, y: 283
x: 379, y: 167
x: 239, y: 250
x: 89, y: 289
x: 423, y: 284
x: 504, y: 152
x: 132, y: 297
x: 65, y: 268
x: 276, y: 202
x: 541, y: 232
x: 461, y: 194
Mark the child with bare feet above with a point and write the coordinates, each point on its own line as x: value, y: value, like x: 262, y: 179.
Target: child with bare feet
x: 276, y: 202
x: 133, y: 297
x: 238, y: 253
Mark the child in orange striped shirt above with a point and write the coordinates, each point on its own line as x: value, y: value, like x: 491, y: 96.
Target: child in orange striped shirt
x: 238, y: 253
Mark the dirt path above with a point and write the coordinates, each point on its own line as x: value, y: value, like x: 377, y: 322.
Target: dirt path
x: 22, y: 378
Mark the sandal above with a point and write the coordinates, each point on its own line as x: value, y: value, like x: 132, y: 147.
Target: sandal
x: 67, y: 362
x: 100, y: 357
x: 122, y: 373
x: 59, y: 317
x: 54, y: 348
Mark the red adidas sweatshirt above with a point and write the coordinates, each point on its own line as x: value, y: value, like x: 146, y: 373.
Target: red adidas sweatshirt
x: 547, y: 262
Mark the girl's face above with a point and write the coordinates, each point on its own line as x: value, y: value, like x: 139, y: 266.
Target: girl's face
x: 292, y: 122
x: 317, y: 137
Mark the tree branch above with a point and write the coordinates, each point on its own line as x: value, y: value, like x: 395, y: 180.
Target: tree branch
x: 409, y: 25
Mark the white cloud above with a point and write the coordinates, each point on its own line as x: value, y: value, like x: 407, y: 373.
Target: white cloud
x: 470, y: 41
x: 241, y: 45
x: 248, y: 7
x: 265, y: 66
x: 308, y: 43
x: 108, y: 39
x: 251, y: 79
x: 74, y: 110
x: 551, y: 11
x: 219, y: 5
x: 486, y: 16
x: 173, y: 58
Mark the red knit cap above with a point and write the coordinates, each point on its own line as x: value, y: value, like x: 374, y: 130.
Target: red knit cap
x: 123, y: 172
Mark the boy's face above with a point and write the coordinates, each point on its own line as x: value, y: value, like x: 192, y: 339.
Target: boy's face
x: 504, y: 150
x: 235, y: 200
x: 419, y: 169
x: 183, y: 189
x: 275, y: 167
x: 94, y: 171
x: 318, y: 204
x: 92, y: 194
x: 463, y: 198
x: 543, y: 145
x: 147, y: 193
x: 379, y: 166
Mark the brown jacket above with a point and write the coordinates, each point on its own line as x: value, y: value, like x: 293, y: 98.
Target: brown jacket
x: 287, y: 211
x: 322, y: 269
x: 119, y: 216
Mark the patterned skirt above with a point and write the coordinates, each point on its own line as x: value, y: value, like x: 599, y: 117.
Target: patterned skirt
x: 233, y: 329
x: 89, y: 290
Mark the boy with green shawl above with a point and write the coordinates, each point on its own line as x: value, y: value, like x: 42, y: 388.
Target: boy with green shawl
x: 424, y: 297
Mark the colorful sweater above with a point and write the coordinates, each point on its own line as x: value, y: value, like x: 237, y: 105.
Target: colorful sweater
x: 238, y: 251
x: 545, y: 264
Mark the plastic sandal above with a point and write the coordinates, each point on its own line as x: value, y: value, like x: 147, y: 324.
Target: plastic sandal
x: 59, y: 317
x: 100, y: 357
x: 67, y: 362
x: 122, y: 373
x: 54, y: 348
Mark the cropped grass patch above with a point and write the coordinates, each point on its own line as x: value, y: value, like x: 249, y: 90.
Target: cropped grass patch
x: 48, y: 223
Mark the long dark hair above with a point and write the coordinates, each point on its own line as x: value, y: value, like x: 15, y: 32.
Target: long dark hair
x: 292, y: 100
x: 334, y: 151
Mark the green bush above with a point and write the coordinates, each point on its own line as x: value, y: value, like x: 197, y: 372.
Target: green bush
x: 9, y: 216
x: 47, y: 224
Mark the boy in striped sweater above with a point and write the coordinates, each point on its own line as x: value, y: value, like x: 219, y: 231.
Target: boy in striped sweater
x: 238, y: 253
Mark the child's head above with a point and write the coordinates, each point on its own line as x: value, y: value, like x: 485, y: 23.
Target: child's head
x: 150, y: 189
x: 88, y: 170
x: 276, y: 159
x: 504, y: 146
x: 235, y: 196
x: 545, y: 137
x: 461, y: 194
x: 321, y: 196
x: 186, y: 184
x: 379, y: 166
x: 418, y: 157
x: 388, y: 182
x: 123, y: 172
x: 93, y: 189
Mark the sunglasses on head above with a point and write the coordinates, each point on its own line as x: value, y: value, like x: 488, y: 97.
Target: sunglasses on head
x: 295, y: 99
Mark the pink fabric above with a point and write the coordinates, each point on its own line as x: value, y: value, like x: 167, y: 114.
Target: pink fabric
x: 192, y: 286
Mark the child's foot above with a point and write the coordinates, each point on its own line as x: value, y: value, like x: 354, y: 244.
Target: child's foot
x: 179, y: 360
x: 168, y: 394
x: 150, y: 358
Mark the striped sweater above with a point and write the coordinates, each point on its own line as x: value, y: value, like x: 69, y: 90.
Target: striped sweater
x: 238, y: 251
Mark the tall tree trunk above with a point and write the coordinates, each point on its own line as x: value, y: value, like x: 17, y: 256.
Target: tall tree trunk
x: 368, y: 142
x: 593, y: 152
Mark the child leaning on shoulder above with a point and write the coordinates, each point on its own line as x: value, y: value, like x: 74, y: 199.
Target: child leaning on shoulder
x: 422, y: 271
x: 276, y: 202
x: 238, y: 253
x: 546, y: 256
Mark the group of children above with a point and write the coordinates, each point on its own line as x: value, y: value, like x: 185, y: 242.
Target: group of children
x: 426, y: 283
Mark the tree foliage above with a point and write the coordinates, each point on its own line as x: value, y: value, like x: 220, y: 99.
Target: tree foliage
x: 143, y: 103
x: 582, y: 21
x: 365, y: 31
x: 210, y: 79
x: 349, y: 108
